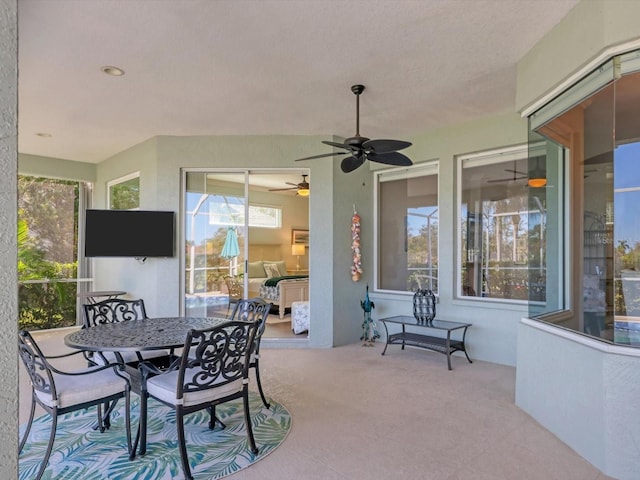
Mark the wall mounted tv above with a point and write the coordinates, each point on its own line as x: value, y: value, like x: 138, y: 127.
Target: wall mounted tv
x: 129, y: 233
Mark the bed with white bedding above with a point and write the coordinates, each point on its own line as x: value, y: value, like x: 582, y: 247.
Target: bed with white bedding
x: 269, y: 280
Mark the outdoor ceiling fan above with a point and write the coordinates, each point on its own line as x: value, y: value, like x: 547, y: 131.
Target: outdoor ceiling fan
x: 360, y: 148
x: 535, y: 179
x: 302, y: 187
x: 517, y: 175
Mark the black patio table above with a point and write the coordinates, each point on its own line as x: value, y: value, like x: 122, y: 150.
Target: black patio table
x: 138, y: 336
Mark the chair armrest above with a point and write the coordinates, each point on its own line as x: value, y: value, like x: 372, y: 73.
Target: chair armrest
x: 64, y: 355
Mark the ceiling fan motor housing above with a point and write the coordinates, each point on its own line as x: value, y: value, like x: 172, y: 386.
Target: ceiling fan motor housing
x: 356, y: 142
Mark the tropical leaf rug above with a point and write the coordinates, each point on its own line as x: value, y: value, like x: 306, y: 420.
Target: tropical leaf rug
x: 84, y: 454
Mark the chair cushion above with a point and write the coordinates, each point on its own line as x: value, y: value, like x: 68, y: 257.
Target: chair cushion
x: 77, y: 389
x: 164, y: 387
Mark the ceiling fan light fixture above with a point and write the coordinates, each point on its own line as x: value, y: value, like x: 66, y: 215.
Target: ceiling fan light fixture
x: 303, y: 192
x: 537, y: 182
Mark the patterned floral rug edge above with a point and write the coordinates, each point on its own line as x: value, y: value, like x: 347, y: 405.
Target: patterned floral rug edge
x: 81, y: 453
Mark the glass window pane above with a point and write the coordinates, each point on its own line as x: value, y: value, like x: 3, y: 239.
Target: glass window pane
x: 494, y: 214
x: 124, y: 193
x: 408, y: 229
x: 47, y: 252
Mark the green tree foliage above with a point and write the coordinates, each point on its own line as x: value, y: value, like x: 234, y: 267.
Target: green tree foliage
x: 47, y: 236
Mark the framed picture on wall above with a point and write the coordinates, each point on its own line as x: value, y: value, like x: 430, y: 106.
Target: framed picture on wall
x: 299, y: 237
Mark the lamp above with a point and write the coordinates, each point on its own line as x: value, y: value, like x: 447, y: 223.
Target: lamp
x: 297, y: 250
x: 303, y: 192
x: 538, y: 177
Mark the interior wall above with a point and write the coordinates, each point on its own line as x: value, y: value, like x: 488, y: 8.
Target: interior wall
x: 148, y: 280
x: 354, y: 189
x: 39, y: 166
x: 493, y: 335
x: 8, y: 242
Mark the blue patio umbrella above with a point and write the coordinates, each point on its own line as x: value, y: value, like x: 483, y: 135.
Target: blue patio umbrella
x: 231, y: 248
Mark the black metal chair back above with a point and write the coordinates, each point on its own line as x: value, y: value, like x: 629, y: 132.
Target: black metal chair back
x: 35, y: 363
x: 217, y: 356
x: 102, y: 385
x: 254, y: 310
x: 215, y: 371
x: 113, y: 310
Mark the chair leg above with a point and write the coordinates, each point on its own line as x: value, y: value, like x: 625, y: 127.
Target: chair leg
x: 26, y: 433
x: 52, y: 436
x: 127, y: 420
x: 213, y: 419
x: 182, y: 444
x: 264, y: 400
x: 247, y: 421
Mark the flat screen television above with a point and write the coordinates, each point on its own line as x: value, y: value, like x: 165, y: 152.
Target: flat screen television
x: 129, y: 233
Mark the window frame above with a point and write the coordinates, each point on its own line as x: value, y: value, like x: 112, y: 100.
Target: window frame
x: 431, y: 167
x: 474, y: 160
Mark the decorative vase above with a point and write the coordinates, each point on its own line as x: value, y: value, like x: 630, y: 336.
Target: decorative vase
x: 424, y: 306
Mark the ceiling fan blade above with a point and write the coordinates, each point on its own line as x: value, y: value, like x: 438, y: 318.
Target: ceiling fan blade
x: 385, y: 146
x: 516, y: 171
x: 335, y: 144
x: 349, y: 164
x: 322, y: 155
x: 282, y: 189
x: 510, y: 179
x: 390, y: 158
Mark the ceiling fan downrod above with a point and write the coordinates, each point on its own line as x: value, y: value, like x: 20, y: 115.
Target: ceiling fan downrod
x: 357, y: 140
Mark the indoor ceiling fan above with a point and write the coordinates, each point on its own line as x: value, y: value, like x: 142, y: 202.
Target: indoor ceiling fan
x: 302, y: 187
x: 360, y: 148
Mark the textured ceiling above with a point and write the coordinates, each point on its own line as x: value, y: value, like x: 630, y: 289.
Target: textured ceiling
x: 204, y: 67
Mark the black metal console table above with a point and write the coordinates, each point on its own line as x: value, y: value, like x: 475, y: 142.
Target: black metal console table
x: 438, y: 344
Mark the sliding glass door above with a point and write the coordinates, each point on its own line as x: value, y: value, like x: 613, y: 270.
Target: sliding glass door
x: 235, y: 222
x: 214, y: 233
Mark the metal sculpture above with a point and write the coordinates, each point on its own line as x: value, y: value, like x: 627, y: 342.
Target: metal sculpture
x: 369, y: 328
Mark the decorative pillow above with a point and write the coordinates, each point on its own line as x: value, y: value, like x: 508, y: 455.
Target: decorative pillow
x: 256, y: 269
x: 272, y: 270
x: 282, y: 267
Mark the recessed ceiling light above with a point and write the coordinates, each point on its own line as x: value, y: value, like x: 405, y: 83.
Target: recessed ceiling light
x: 44, y: 134
x: 113, y: 71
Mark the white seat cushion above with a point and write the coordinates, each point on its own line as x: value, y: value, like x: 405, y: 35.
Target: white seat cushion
x: 77, y: 389
x: 164, y: 387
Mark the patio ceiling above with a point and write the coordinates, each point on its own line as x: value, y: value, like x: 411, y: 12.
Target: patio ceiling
x: 233, y: 67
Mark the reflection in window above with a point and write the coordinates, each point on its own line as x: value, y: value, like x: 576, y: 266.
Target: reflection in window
x: 596, y: 120
x: 229, y: 210
x: 496, y: 221
x: 124, y: 192
x: 407, y: 227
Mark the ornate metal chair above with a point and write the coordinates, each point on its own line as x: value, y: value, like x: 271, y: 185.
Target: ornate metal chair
x: 216, y: 371
x: 254, y: 310
x: 115, y: 310
x: 60, y: 392
x: 234, y: 287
